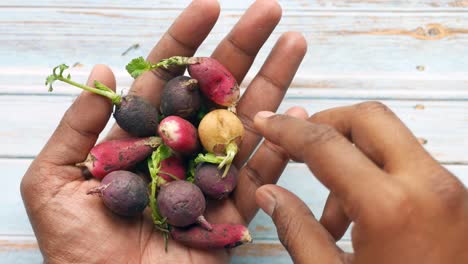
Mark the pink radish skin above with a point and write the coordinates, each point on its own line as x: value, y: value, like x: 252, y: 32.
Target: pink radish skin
x: 215, y: 81
x: 116, y: 155
x: 179, y: 134
x: 221, y: 236
x: 173, y: 166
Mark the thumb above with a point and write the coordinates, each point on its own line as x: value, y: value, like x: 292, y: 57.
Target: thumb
x: 298, y: 230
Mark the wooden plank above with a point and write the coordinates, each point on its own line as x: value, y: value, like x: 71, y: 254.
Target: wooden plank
x: 358, y: 44
x: 30, y: 81
x: 23, y: 133
x: 19, y: 251
x: 17, y: 242
x: 296, y: 178
x: 287, y: 4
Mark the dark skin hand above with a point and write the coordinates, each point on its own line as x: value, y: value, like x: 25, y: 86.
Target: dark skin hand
x: 72, y: 227
x: 406, y: 207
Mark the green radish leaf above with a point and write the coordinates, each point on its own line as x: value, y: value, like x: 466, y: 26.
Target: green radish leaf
x: 208, y: 157
x: 191, y: 171
x: 138, y: 66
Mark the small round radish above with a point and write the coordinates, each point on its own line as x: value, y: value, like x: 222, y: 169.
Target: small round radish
x: 180, y: 97
x: 132, y: 113
x: 136, y: 116
x: 183, y: 204
x: 179, y: 134
x: 171, y: 169
x: 221, y: 133
x: 120, y: 154
x: 209, y: 179
x: 123, y: 192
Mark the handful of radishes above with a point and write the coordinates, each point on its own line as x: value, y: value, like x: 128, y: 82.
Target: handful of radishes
x: 189, y: 150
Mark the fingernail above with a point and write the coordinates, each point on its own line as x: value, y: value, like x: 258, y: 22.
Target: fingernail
x: 266, y: 201
x: 264, y: 114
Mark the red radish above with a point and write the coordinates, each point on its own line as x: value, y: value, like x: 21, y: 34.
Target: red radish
x: 171, y: 169
x: 183, y: 204
x: 132, y: 113
x: 120, y: 154
x: 221, y: 236
x: 221, y: 133
x: 123, y: 192
x: 179, y: 134
x: 215, y: 81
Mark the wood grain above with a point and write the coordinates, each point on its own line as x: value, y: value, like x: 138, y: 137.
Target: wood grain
x: 35, y: 117
x: 357, y: 44
x: 17, y: 239
x: 287, y: 4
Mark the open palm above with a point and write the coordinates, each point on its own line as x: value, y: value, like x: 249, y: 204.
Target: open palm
x: 73, y: 227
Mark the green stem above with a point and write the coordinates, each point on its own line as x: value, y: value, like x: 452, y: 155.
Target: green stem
x: 170, y: 175
x: 176, y: 60
x: 231, y: 151
x: 115, y: 98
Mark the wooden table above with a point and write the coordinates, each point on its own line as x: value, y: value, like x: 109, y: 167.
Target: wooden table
x: 411, y: 55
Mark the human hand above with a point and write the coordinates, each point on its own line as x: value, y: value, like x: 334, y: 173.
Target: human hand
x: 406, y: 208
x: 71, y: 226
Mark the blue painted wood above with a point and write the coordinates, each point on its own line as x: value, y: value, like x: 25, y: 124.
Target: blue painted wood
x: 25, y: 132
x: 17, y: 242
x: 354, y: 43
x: 403, y: 52
x: 287, y: 4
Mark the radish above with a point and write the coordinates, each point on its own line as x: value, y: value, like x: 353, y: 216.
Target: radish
x: 132, y: 113
x: 221, y: 236
x: 123, y: 192
x: 171, y: 169
x: 182, y: 204
x: 216, y: 82
x: 120, y: 154
x: 179, y: 134
x: 221, y: 133
x: 180, y: 97
x: 208, y: 179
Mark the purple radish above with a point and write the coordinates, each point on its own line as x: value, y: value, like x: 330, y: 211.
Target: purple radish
x: 183, y: 204
x: 180, y: 97
x: 209, y: 179
x: 123, y: 192
x: 132, y: 113
x: 179, y: 134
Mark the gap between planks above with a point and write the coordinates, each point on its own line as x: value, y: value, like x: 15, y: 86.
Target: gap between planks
x: 351, y: 11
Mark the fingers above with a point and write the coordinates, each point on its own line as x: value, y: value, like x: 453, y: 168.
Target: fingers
x: 300, y: 233
x: 334, y: 219
x: 238, y: 49
x: 81, y: 124
x: 182, y: 39
x: 378, y: 133
x: 360, y: 185
x: 267, y: 89
x: 255, y: 173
